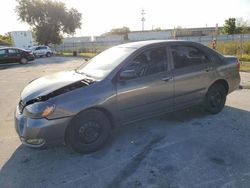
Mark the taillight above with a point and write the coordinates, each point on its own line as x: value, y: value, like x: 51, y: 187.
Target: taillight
x: 238, y: 65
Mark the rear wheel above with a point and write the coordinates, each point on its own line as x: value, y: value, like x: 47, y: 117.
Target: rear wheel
x: 23, y: 60
x: 88, y: 131
x: 215, y: 98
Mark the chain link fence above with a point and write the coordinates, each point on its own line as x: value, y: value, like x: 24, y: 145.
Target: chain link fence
x: 97, y: 46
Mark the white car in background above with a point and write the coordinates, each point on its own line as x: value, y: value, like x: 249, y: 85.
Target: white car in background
x: 40, y: 51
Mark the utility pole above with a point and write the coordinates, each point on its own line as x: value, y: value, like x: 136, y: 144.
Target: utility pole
x: 142, y: 19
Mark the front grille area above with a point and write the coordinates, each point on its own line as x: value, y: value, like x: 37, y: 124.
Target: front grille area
x: 21, y: 106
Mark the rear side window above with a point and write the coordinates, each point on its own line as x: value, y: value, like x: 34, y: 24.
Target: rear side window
x: 41, y: 48
x: 215, y: 56
x: 184, y: 56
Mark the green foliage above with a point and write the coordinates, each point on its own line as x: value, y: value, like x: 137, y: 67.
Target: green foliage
x: 49, y: 19
x: 5, y: 39
x: 230, y: 26
x: 234, y: 47
x: 82, y: 54
x: 245, y: 66
x: 245, y: 57
x: 242, y: 26
x: 119, y: 31
x: 157, y: 29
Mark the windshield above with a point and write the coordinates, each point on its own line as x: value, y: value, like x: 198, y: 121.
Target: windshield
x: 101, y: 65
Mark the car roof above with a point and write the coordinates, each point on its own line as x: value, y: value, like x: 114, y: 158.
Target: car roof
x: 140, y: 44
x: 6, y: 48
x: 38, y: 46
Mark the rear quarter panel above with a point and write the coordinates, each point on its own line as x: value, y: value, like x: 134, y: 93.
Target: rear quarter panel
x: 225, y: 70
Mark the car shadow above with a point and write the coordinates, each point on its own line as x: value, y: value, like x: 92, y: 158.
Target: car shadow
x: 192, y: 131
x: 40, y: 62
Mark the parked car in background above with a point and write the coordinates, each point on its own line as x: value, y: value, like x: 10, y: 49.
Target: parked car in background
x: 40, y: 51
x: 123, y: 84
x: 14, y: 55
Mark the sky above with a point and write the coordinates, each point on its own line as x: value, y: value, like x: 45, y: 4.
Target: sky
x: 100, y: 16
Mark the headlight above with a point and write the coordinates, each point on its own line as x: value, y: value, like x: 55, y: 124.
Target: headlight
x: 39, y: 110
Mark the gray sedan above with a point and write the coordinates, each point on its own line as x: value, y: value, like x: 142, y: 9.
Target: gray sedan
x: 123, y: 84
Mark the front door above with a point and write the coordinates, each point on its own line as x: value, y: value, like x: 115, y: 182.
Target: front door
x: 151, y: 91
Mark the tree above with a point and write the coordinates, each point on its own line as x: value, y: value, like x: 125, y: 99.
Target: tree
x: 5, y: 39
x: 242, y: 26
x: 119, y: 31
x: 157, y: 29
x: 48, y: 19
x: 230, y: 26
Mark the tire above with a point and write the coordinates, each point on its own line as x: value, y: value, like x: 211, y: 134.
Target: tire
x: 88, y: 131
x: 215, y: 98
x: 48, y: 54
x: 23, y: 60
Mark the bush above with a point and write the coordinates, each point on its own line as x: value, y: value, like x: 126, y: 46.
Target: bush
x: 245, y: 57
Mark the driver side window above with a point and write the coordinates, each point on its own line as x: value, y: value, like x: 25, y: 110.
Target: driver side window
x: 149, y: 62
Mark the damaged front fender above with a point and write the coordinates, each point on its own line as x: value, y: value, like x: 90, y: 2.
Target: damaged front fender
x: 59, y: 111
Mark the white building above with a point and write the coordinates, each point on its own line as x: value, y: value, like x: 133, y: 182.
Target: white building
x: 109, y: 38
x: 22, y: 39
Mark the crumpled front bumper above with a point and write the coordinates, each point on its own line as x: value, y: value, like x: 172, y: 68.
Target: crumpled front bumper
x: 40, y: 132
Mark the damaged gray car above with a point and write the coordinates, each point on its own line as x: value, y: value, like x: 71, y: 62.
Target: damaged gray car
x: 123, y: 84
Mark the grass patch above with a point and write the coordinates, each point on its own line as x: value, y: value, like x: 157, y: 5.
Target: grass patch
x: 245, y: 58
x: 245, y: 66
x: 88, y: 54
x: 236, y: 48
x: 83, y: 54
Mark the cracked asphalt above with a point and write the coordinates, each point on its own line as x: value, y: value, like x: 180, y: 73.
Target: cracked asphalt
x: 185, y: 149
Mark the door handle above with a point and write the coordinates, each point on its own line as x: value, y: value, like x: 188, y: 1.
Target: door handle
x: 207, y: 69
x: 167, y: 78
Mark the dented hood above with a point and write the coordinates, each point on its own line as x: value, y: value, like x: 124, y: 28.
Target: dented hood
x: 48, y: 84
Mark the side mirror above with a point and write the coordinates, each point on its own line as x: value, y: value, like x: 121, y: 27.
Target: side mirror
x: 128, y: 74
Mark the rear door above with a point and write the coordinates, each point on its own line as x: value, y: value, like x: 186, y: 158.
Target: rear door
x: 193, y: 73
x: 151, y: 92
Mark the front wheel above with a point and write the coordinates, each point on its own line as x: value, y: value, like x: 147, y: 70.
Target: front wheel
x: 215, y: 98
x: 48, y: 54
x: 88, y: 131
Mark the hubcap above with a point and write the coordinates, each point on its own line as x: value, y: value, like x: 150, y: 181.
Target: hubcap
x: 89, y: 132
x: 23, y: 60
x: 216, y: 99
